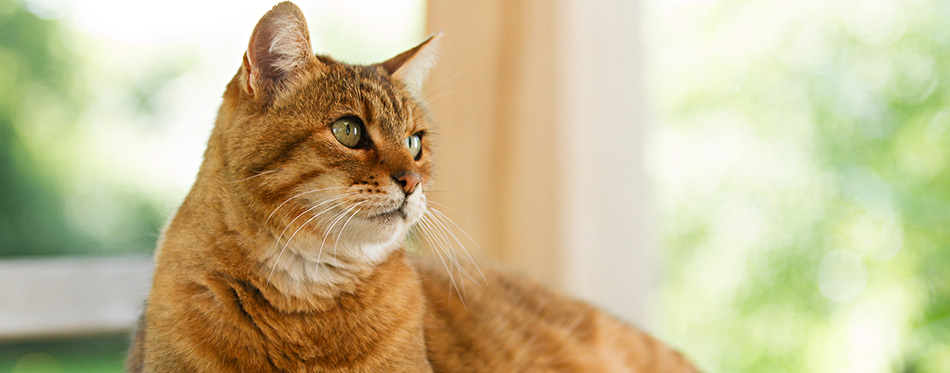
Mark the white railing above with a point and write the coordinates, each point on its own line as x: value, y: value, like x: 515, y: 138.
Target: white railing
x: 71, y: 296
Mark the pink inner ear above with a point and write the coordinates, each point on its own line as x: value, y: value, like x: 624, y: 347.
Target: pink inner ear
x: 412, y: 66
x: 395, y: 64
x: 248, y: 75
x: 279, y: 45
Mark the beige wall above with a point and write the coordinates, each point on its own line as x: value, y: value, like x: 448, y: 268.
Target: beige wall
x: 540, y: 119
x: 497, y: 135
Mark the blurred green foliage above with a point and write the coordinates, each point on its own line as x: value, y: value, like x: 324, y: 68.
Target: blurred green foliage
x: 95, y: 354
x: 30, y: 218
x: 41, y: 95
x: 42, y: 92
x: 802, y: 162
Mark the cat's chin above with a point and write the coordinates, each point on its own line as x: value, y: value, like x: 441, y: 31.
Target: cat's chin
x: 388, y: 225
x: 364, y: 239
x: 397, y: 219
x: 383, y: 229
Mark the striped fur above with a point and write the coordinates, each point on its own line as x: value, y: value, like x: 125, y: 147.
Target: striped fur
x: 287, y: 254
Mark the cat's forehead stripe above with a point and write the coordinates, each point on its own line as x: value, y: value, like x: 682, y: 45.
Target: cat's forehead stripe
x: 382, y: 102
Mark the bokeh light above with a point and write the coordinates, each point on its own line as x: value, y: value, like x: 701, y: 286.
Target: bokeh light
x: 800, y: 167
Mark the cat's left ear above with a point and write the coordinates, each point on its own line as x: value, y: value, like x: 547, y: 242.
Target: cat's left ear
x: 412, y: 66
x: 279, y: 48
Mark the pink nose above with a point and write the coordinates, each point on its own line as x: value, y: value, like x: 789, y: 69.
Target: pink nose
x: 408, y: 181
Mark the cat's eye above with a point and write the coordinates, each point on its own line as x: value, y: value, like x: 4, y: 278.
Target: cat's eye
x: 414, y: 143
x: 348, y: 131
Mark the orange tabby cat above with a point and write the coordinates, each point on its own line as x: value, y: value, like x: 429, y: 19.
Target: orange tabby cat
x: 287, y: 254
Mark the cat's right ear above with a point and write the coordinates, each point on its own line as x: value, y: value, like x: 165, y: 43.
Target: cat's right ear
x: 412, y: 66
x: 279, y: 48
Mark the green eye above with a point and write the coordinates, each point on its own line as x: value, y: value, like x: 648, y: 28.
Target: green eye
x: 414, y: 143
x: 348, y: 131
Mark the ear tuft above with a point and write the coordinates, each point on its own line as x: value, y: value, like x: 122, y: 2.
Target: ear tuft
x: 279, y: 47
x: 412, y: 66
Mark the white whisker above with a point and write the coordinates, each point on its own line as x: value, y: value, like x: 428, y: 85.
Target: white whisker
x: 252, y: 176
x: 310, y: 220
x: 320, y: 203
x: 337, y: 241
x: 443, y: 218
x: 443, y: 205
x: 438, y: 215
x: 347, y: 211
x: 424, y: 224
x: 295, y: 234
x: 444, y: 240
x: 298, y: 195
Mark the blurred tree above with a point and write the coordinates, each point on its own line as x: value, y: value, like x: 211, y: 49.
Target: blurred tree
x: 31, y: 218
x: 40, y: 93
x: 803, y: 170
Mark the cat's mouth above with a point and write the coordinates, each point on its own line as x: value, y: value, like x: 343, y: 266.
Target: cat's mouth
x: 399, y: 212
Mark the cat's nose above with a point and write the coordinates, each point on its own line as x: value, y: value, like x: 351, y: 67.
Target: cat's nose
x: 408, y: 181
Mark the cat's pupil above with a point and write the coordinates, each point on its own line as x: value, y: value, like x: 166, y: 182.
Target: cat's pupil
x: 347, y: 131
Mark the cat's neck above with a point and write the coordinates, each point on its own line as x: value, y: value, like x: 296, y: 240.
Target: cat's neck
x: 313, y: 275
x: 387, y: 303
x: 299, y: 284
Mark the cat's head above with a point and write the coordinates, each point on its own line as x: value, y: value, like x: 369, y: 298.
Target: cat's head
x: 324, y: 155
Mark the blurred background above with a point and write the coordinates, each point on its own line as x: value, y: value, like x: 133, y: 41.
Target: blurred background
x: 763, y: 184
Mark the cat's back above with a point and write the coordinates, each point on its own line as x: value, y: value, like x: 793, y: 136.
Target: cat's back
x: 501, y: 322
